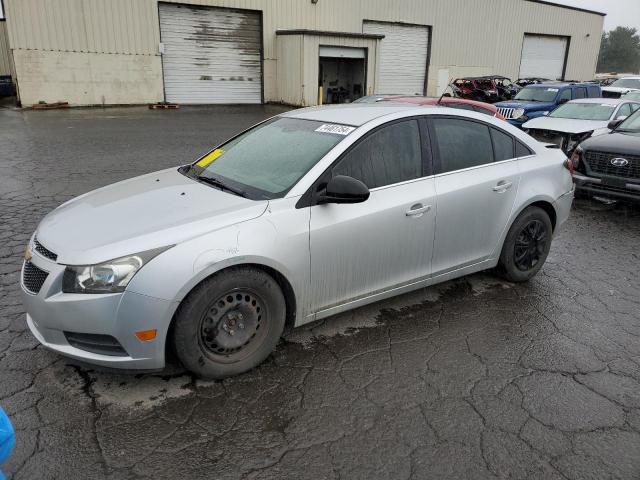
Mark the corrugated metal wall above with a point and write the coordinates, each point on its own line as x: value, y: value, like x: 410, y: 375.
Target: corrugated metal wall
x: 479, y: 36
x: 6, y: 59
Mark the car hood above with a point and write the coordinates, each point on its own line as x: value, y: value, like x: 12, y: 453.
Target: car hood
x: 565, y: 125
x: 616, y: 143
x: 529, y: 106
x: 142, y: 213
x: 619, y: 89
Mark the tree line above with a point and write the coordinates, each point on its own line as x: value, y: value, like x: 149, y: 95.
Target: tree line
x: 620, y: 51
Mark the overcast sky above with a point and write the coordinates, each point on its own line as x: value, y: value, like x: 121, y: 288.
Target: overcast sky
x: 619, y: 12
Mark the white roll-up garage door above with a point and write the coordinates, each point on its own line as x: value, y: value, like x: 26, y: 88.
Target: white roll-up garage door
x: 543, y: 56
x: 403, y: 57
x: 211, y: 55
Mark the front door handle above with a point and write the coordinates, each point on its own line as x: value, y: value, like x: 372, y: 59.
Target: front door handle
x: 417, y: 210
x: 502, y: 186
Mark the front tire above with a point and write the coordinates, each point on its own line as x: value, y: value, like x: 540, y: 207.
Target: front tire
x: 526, y: 246
x: 230, y: 323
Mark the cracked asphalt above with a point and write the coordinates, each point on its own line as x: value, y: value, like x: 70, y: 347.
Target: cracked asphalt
x: 475, y: 378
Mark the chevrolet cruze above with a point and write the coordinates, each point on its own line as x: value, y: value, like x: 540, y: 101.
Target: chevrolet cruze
x: 307, y: 214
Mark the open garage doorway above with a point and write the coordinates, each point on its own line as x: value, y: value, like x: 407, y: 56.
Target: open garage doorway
x: 342, y: 74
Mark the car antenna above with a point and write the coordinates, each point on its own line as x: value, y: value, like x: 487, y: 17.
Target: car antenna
x: 444, y: 91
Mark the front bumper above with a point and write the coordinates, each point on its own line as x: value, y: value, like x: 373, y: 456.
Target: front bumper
x: 599, y: 187
x: 51, y: 313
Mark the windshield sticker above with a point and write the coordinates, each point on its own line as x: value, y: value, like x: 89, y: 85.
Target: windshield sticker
x: 209, y: 158
x: 337, y: 129
x: 552, y: 89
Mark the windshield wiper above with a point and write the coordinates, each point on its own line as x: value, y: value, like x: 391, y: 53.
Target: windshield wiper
x: 216, y: 182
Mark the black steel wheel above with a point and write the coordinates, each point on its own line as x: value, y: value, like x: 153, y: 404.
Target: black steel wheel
x: 231, y: 328
x: 526, y: 245
x: 530, y: 245
x: 230, y: 323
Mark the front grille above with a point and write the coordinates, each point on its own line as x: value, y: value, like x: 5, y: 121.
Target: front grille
x: 600, y: 163
x: 45, y: 252
x: 506, y: 112
x: 95, y: 343
x: 33, y: 277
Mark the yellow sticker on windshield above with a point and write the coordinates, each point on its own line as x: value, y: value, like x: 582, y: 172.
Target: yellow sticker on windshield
x: 209, y: 158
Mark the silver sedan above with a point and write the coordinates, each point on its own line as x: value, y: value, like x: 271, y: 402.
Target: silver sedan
x: 307, y: 214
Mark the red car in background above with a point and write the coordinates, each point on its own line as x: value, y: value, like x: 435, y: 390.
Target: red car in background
x: 451, y: 102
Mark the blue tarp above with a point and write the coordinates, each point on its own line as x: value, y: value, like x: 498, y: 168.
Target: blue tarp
x: 7, y: 439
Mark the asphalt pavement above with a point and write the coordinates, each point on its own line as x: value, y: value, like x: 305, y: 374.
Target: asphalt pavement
x: 475, y: 378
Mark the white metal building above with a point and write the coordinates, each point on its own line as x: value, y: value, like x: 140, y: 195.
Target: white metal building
x: 252, y: 51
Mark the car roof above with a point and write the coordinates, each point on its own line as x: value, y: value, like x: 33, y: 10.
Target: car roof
x: 560, y: 85
x: 355, y: 114
x: 607, y: 101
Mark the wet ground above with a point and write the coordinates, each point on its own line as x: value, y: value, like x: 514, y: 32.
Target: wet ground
x: 474, y: 378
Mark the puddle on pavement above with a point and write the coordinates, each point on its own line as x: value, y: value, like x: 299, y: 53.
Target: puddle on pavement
x: 148, y: 390
x: 371, y: 316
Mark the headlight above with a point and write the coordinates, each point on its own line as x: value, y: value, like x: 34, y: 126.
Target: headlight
x: 108, y: 277
x: 518, y: 112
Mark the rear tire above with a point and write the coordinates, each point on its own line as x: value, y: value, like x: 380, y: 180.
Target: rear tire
x: 230, y: 323
x: 526, y: 246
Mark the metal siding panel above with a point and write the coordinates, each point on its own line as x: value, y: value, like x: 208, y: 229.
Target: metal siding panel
x: 211, y: 55
x: 6, y: 58
x: 468, y: 37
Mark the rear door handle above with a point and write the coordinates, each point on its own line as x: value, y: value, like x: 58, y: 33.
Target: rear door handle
x: 502, y: 186
x: 417, y: 209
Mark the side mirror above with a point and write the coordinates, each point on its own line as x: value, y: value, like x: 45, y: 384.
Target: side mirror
x: 613, y: 124
x: 343, y: 189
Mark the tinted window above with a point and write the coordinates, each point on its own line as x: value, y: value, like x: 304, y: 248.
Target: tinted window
x: 594, y: 92
x: 566, y: 94
x: 484, y: 110
x: 462, y: 143
x: 522, y: 150
x: 389, y: 155
x: 581, y: 92
x: 461, y: 106
x: 624, y: 111
x: 502, y: 145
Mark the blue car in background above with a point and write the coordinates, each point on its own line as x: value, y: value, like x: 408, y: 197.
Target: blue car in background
x: 539, y: 99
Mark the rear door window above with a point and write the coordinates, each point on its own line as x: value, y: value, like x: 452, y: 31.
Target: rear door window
x: 522, y: 150
x: 502, y: 145
x: 581, y: 92
x: 389, y: 155
x: 461, y: 143
x: 566, y: 94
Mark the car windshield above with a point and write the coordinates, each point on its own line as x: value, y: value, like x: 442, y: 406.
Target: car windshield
x: 268, y: 160
x: 632, y: 96
x: 627, y: 83
x: 537, y: 94
x: 584, y: 111
x: 631, y: 124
